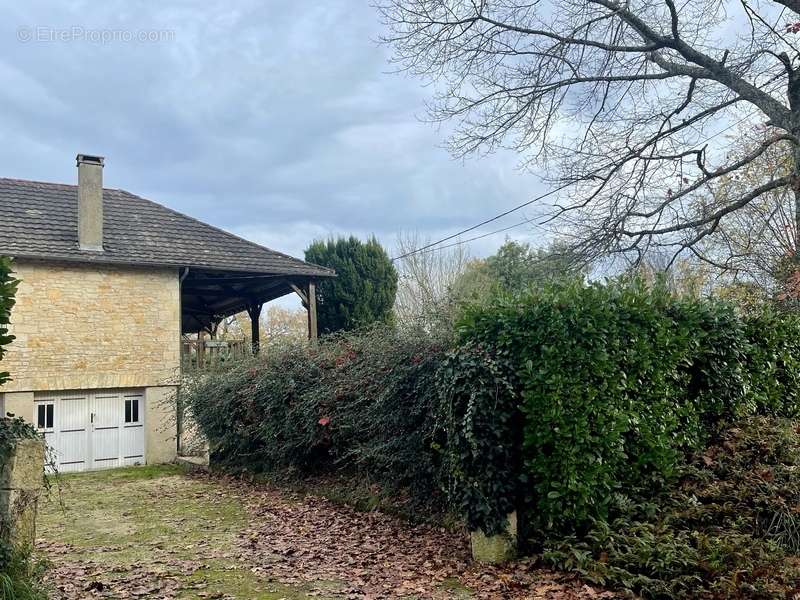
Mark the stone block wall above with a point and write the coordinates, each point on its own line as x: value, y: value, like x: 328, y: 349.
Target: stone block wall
x: 92, y: 326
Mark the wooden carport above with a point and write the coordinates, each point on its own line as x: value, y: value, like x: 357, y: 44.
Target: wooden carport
x: 210, y: 295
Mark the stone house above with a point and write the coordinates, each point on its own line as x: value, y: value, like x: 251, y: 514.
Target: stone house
x: 110, y: 285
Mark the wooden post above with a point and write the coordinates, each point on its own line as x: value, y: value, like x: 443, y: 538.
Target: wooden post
x: 254, y: 312
x: 200, y: 350
x: 312, y: 311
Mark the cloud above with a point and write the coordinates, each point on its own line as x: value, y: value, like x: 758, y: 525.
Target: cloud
x: 277, y: 121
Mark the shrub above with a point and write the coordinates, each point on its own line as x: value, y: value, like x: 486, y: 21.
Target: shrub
x: 773, y: 361
x: 728, y: 529
x: 8, y: 287
x: 480, y: 419
x: 616, y: 382
x: 358, y: 402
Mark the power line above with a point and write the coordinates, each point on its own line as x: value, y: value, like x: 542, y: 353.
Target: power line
x: 429, y: 247
x: 482, y: 223
x: 467, y: 241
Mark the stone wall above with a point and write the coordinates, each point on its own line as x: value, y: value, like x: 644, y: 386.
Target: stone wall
x: 160, y: 425
x: 91, y: 327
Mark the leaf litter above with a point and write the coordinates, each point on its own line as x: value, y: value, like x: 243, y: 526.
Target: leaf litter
x: 292, y: 546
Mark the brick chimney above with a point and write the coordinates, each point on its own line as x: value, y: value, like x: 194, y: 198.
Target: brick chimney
x: 90, y: 202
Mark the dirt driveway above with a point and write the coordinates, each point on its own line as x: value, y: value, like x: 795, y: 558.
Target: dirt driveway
x: 154, y: 532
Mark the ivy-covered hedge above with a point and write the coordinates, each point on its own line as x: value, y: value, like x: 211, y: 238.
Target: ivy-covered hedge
x: 616, y: 384
x: 8, y: 288
x: 481, y: 422
x: 357, y: 403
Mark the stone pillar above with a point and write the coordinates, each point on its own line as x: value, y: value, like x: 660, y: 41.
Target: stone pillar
x: 495, y: 549
x: 160, y: 422
x: 21, y: 484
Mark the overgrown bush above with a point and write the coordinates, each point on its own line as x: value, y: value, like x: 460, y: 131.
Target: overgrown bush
x: 481, y: 423
x: 728, y: 529
x: 359, y: 402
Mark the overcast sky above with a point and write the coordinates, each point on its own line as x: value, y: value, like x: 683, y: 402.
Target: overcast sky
x: 279, y: 121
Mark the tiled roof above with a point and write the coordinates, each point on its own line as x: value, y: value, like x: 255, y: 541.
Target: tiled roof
x: 40, y: 220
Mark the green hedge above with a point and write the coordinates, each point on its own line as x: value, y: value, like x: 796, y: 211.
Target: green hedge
x: 617, y: 383
x: 359, y: 403
x: 481, y: 423
x: 773, y: 361
x: 567, y: 402
x: 727, y: 529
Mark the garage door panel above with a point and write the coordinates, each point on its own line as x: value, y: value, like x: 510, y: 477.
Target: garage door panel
x: 72, y: 447
x: 71, y: 413
x: 105, y: 447
x: 132, y: 444
x: 106, y: 417
x: 93, y: 430
x: 107, y: 410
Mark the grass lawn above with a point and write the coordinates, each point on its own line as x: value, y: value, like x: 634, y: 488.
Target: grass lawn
x: 150, y: 532
x: 155, y: 532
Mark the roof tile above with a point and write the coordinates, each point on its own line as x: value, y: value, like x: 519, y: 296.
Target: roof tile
x: 40, y: 220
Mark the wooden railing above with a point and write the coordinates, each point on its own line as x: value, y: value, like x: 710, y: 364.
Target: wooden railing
x: 210, y: 354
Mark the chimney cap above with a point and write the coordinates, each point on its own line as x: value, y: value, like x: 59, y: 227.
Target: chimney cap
x: 90, y: 159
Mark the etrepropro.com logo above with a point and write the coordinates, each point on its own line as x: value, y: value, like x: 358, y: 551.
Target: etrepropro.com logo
x: 46, y: 34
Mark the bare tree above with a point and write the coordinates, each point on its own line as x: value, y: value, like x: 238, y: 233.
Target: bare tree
x: 755, y: 245
x: 426, y: 280
x: 622, y: 101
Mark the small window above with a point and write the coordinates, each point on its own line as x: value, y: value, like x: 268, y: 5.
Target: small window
x: 132, y: 411
x: 44, y: 416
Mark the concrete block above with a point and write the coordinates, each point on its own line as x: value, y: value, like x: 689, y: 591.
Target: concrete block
x: 18, y: 516
x: 24, y: 469
x: 495, y: 549
x: 21, y: 483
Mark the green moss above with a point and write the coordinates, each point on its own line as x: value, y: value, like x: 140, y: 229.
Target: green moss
x: 124, y: 474
x: 244, y: 584
x: 456, y: 589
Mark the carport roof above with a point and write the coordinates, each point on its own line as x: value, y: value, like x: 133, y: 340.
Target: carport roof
x: 40, y: 221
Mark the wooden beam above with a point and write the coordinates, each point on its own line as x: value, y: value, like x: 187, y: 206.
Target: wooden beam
x: 201, y: 347
x: 301, y: 293
x: 254, y: 312
x: 227, y: 280
x: 312, y: 311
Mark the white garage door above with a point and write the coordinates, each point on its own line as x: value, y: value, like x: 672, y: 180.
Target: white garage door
x: 97, y: 429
